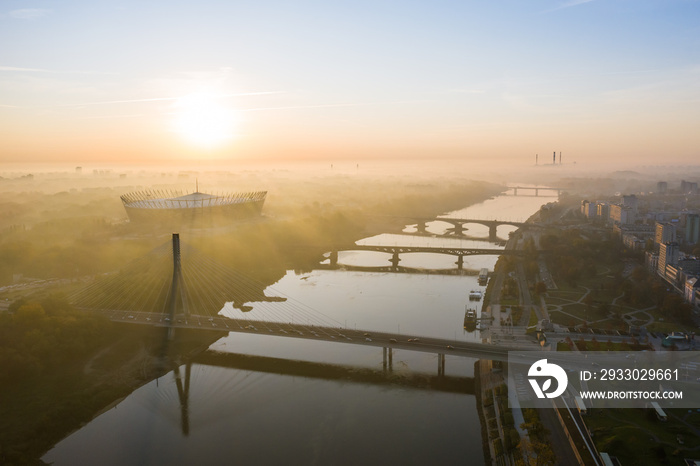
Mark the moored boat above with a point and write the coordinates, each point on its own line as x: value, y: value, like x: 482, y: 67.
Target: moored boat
x: 470, y: 319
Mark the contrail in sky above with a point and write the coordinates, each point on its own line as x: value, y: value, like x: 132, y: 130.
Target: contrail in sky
x: 567, y: 5
x: 162, y: 99
x: 357, y: 104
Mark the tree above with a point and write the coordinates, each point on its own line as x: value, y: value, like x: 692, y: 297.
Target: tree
x: 30, y: 314
x: 545, y: 454
x: 540, y: 288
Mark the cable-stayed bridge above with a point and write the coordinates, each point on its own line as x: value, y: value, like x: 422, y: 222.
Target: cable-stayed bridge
x: 182, y: 288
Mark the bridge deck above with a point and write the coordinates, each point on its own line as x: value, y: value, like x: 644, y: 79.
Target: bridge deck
x: 435, y: 250
x: 328, y: 334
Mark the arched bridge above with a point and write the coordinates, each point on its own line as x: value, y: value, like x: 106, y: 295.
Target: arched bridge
x: 458, y: 225
x: 395, y: 251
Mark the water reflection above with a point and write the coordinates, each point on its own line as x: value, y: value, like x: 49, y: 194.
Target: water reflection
x: 182, y: 375
x: 284, y: 416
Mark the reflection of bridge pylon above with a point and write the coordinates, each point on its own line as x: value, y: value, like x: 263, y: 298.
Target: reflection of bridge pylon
x: 183, y: 392
x: 176, y: 294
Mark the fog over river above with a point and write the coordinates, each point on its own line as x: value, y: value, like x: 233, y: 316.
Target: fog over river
x: 250, y: 417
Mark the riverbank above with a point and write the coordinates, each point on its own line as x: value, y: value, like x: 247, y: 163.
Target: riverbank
x: 508, y: 442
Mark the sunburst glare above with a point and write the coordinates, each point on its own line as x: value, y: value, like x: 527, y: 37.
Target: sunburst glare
x: 204, y: 121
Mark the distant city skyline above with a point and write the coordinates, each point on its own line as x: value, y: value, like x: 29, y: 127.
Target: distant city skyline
x: 599, y: 80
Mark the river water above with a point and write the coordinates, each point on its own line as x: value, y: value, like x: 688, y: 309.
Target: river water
x: 254, y: 417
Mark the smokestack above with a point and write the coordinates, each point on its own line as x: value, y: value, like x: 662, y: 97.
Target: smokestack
x: 537, y: 159
x: 554, y: 158
x: 559, y: 158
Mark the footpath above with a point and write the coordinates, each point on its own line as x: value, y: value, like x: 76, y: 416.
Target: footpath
x: 491, y: 377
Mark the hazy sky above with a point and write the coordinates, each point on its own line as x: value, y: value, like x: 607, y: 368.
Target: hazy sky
x: 154, y: 80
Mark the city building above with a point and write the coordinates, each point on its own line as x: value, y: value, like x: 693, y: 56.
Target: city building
x: 668, y: 255
x: 641, y: 231
x: 661, y: 187
x: 631, y: 202
x: 665, y: 232
x: 691, y: 292
x: 688, y: 187
x: 633, y: 242
x: 603, y: 211
x: 588, y: 209
x: 622, y: 215
x: 692, y: 228
x: 651, y: 261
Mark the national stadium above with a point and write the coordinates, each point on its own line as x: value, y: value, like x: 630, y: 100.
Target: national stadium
x: 196, y: 209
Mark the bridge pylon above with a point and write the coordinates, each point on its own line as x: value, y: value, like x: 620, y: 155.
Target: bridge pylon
x: 176, y: 296
x: 493, y: 232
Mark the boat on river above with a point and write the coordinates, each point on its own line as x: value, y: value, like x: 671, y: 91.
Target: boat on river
x: 475, y: 295
x: 470, y: 319
x: 483, y: 276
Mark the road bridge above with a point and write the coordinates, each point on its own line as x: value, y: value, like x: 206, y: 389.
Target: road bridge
x: 387, y: 340
x: 536, y: 189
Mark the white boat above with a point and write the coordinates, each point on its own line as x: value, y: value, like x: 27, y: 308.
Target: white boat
x: 475, y: 295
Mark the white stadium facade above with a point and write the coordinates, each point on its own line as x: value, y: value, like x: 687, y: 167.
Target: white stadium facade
x: 196, y: 209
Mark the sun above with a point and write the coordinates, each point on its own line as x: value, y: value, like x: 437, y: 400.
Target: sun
x: 203, y: 120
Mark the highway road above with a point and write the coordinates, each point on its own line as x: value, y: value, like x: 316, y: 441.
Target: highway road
x: 320, y: 333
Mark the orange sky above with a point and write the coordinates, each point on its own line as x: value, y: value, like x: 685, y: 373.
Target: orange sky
x: 598, y: 80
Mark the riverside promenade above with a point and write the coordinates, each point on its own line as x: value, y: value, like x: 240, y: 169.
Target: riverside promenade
x: 491, y: 376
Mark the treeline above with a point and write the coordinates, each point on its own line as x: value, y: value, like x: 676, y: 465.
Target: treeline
x: 538, y: 446
x: 572, y: 256
x: 76, y: 258
x: 643, y: 288
x: 67, y: 247
x: 36, y: 336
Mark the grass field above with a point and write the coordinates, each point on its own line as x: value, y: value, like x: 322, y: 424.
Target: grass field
x: 635, y: 436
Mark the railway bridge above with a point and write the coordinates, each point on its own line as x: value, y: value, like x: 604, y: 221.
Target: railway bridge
x: 458, y: 225
x: 396, y: 251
